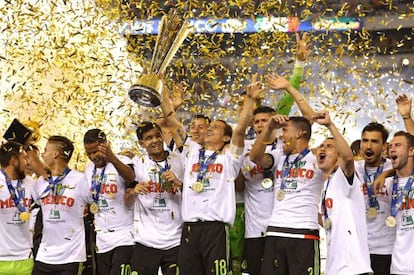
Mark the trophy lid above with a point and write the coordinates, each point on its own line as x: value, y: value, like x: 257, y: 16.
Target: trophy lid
x: 18, y: 132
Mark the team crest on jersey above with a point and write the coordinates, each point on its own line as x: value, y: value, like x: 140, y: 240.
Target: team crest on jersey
x: 300, y: 164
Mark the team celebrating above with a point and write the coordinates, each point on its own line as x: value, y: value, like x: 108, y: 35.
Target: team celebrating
x: 204, y: 199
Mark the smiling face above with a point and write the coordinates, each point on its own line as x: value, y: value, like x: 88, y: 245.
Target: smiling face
x: 288, y: 136
x: 152, y: 142
x: 198, y: 128
x: 215, y: 135
x: 92, y: 151
x: 327, y: 155
x: 372, y: 147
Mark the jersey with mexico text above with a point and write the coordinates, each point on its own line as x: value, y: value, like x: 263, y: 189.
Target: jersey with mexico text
x: 258, y: 200
x: 114, y: 221
x: 216, y: 201
x: 402, y: 262
x: 347, y: 240
x: 299, y: 207
x: 15, y: 240
x: 157, y: 214
x: 380, y: 237
x: 63, y: 239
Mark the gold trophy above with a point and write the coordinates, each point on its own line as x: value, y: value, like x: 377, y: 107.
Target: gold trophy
x: 172, y: 31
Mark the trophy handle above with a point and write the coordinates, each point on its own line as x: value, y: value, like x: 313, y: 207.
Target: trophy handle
x: 181, y: 36
x: 157, y: 43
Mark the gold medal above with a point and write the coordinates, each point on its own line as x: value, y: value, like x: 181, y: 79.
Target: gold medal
x: 327, y: 224
x: 24, y: 216
x: 372, y: 213
x: 390, y: 221
x: 94, y: 208
x: 280, y: 195
x: 267, y: 183
x: 198, y: 186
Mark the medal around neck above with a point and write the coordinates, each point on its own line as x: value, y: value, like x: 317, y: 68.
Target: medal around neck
x: 280, y: 195
x: 372, y: 213
x: 94, y: 208
x: 327, y: 224
x: 198, y: 186
x: 173, y: 30
x: 267, y: 183
x: 390, y: 221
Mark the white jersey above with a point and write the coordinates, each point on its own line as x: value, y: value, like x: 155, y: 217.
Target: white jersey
x: 402, y: 262
x: 299, y: 208
x: 157, y: 214
x: 16, y: 239
x: 347, y: 239
x: 63, y: 235
x: 216, y: 202
x: 114, y: 221
x: 380, y: 237
x: 258, y: 201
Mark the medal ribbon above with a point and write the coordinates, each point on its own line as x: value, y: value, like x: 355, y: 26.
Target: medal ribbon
x: 324, y: 209
x: 17, y: 197
x: 371, y: 198
x: 96, y: 184
x: 53, y: 183
x: 287, y: 166
x: 397, y: 198
x: 162, y: 169
x: 204, y: 163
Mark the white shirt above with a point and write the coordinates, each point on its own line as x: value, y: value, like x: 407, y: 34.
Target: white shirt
x: 157, y: 214
x: 258, y: 201
x: 16, y: 239
x: 114, y: 221
x: 347, y: 240
x: 380, y: 237
x: 216, y: 202
x: 299, y: 208
x: 63, y: 238
x: 402, y: 262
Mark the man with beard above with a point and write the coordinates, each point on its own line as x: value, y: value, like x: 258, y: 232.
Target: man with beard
x: 377, y: 206
x: 63, y: 197
x: 157, y: 204
x: 401, y: 188
x: 15, y: 196
x: 108, y: 176
x: 342, y: 201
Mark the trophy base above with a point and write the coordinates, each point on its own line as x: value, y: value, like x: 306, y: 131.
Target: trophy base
x: 144, y: 96
x: 147, y: 92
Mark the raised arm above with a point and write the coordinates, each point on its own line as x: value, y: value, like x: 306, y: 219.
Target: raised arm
x: 302, y: 53
x: 257, y: 153
x: 344, y: 150
x: 170, y: 118
x: 124, y: 170
x: 246, y: 114
x: 275, y: 81
x: 404, y: 105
